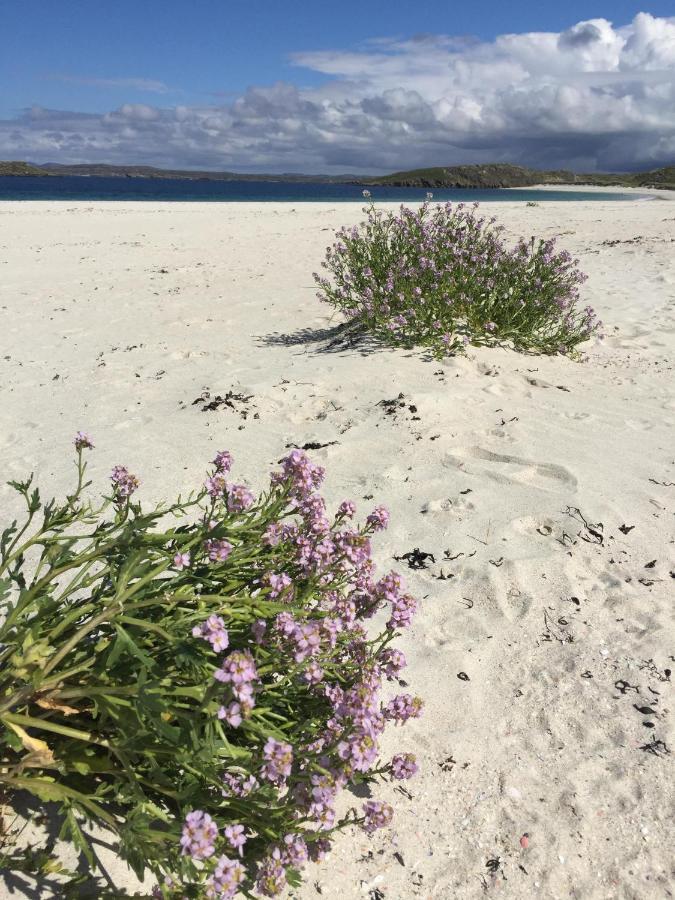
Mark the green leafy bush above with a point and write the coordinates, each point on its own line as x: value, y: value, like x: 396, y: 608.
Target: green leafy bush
x: 442, y: 277
x: 198, y: 678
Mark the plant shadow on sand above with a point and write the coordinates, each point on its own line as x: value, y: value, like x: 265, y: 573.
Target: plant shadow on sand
x: 36, y: 885
x: 347, y: 336
x: 343, y: 338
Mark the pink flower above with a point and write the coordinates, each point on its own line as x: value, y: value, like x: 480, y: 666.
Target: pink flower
x: 218, y: 550
x: 237, y: 668
x: 271, y: 880
x: 216, y: 485
x: 83, y: 441
x: 231, y: 714
x: 124, y: 483
x: 346, y: 509
x: 223, y: 461
x: 278, y: 761
x: 313, y: 673
x: 403, y: 707
x: 403, y: 766
x: 392, y: 662
x: 279, y: 584
x: 213, y: 630
x: 225, y: 879
x: 294, y: 851
x: 378, y: 814
x: 402, y: 611
x: 234, y: 835
x: 307, y: 640
x: 378, y: 519
x: 239, y: 785
x: 181, y: 561
x: 199, y: 835
x: 239, y: 498
x: 300, y: 473
x: 360, y: 751
x: 272, y: 535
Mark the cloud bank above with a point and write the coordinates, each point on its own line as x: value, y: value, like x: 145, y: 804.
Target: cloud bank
x: 594, y: 97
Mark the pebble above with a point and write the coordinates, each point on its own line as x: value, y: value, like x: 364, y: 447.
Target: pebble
x: 367, y: 886
x: 525, y: 841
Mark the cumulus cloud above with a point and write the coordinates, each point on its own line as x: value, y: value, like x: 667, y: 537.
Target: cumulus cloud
x: 595, y: 96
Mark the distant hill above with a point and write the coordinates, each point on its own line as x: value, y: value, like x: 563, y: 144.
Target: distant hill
x: 507, y: 176
x: 493, y: 175
x: 20, y: 168
x: 108, y: 171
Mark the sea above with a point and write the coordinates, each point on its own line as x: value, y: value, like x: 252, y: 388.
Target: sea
x: 91, y: 187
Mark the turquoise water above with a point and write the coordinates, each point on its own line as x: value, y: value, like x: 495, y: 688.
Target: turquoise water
x: 70, y: 187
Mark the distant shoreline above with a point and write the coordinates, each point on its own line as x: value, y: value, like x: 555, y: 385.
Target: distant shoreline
x: 491, y: 176
x: 652, y: 193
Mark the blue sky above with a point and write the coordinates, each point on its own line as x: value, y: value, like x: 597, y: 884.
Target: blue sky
x: 198, y: 49
x: 92, y: 59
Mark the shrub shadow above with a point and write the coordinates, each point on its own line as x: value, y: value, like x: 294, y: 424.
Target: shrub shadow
x: 35, y: 885
x: 343, y: 338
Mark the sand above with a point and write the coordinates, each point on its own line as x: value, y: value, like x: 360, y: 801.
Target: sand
x: 541, y: 631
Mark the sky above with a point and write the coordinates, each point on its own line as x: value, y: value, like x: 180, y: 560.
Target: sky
x: 361, y: 87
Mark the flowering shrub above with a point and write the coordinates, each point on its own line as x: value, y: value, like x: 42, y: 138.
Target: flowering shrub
x: 442, y: 277
x: 198, y: 678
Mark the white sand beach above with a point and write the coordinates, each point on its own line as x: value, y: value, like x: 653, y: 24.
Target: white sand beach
x: 544, y: 489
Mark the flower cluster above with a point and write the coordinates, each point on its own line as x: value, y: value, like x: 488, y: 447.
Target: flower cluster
x: 378, y: 815
x: 223, y: 461
x: 442, y: 277
x: 403, y: 766
x: 218, y: 551
x: 238, y: 671
x: 123, y: 482
x: 225, y: 879
x: 199, y: 835
x: 214, y: 631
x: 239, y: 785
x: 83, y: 441
x: 311, y: 770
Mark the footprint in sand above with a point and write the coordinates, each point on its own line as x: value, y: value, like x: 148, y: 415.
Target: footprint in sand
x: 639, y: 424
x: 579, y: 416
x: 188, y: 354
x: 527, y: 525
x: 446, y: 505
x: 502, y: 435
x: 505, y: 469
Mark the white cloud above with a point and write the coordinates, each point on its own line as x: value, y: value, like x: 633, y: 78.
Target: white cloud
x: 595, y: 96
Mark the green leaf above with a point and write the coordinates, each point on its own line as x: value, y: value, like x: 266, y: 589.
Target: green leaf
x: 5, y: 539
x: 125, y: 644
x: 71, y: 829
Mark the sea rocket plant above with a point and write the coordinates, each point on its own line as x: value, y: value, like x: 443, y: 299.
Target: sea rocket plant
x: 442, y: 277
x: 211, y: 686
